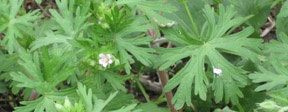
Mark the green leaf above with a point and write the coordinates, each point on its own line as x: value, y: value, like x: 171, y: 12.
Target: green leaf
x: 52, y: 38
x: 122, y: 99
x: 70, y: 26
x: 196, y: 9
x: 151, y: 107
x: 151, y: 8
x: 93, y: 104
x: 276, y: 2
x: 215, y: 40
x: 3, y: 87
x: 128, y: 109
x: 131, y: 45
x: 281, y: 22
x: 277, y: 103
x: 260, y: 9
x: 39, y: 105
x: 42, y: 78
x: 127, y: 34
x: 114, y: 80
x: 46, y: 102
x: 273, y: 80
x: 127, y: 45
x: 249, y: 103
x: 15, y: 27
x: 276, y: 48
x: 8, y: 63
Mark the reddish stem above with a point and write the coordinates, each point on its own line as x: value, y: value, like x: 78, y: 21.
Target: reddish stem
x: 169, y: 94
x: 164, y: 80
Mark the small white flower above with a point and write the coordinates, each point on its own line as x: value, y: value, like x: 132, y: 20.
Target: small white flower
x: 105, y: 60
x: 217, y: 71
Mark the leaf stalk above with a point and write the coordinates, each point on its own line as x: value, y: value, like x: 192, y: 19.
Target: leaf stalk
x: 191, y: 20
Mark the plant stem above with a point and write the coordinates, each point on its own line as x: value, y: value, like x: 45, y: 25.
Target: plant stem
x: 160, y: 99
x: 162, y: 76
x: 142, y: 89
x: 169, y: 94
x: 191, y: 20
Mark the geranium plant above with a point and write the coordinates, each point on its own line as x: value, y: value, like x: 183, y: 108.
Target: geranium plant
x: 143, y: 55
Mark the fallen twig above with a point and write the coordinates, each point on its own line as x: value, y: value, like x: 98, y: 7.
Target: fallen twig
x: 151, y: 86
x: 268, y: 29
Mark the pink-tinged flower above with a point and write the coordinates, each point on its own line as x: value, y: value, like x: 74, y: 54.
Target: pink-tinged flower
x: 105, y: 60
x: 217, y: 71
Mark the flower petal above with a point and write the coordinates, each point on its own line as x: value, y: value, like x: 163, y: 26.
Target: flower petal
x: 109, y: 56
x: 104, y: 65
x: 101, y: 61
x: 110, y: 61
x: 102, y: 55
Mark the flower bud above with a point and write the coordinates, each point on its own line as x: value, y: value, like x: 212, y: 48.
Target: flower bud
x: 59, y: 107
x: 67, y: 103
x: 269, y: 105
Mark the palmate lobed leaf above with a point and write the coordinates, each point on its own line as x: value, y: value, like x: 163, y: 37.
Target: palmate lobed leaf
x: 38, y: 105
x: 94, y: 104
x: 260, y: 9
x: 151, y: 9
x: 120, y: 100
x: 282, y: 23
x: 214, y: 40
x: 46, y: 102
x: 15, y: 26
x: 52, y: 38
x: 196, y: 9
x: 278, y: 48
x: 274, y: 71
x: 274, y: 80
x: 112, y: 78
x: 133, y: 45
x: 142, y: 54
x: 69, y: 25
x: 45, y: 73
